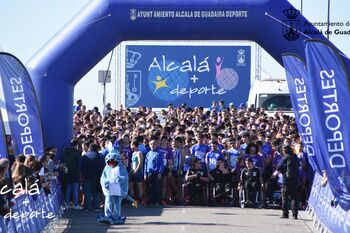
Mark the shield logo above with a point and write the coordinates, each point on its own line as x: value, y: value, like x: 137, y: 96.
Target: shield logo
x: 133, y: 14
x: 132, y: 87
x: 291, y: 29
x: 241, y: 57
x: 132, y: 58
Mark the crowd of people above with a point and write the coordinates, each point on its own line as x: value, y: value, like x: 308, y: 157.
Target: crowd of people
x: 178, y: 156
x: 183, y: 155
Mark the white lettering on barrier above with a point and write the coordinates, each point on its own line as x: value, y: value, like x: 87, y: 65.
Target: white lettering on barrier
x: 33, y: 214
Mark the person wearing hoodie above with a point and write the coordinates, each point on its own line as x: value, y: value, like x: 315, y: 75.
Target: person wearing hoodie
x: 115, y: 185
x: 90, y: 171
x: 71, y: 159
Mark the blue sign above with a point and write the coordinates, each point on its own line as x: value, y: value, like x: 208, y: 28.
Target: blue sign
x: 195, y: 75
x: 298, y: 85
x: 330, y: 98
x: 21, y: 106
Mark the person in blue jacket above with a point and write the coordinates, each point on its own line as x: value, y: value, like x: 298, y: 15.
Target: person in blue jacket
x: 154, y: 168
x: 114, y: 182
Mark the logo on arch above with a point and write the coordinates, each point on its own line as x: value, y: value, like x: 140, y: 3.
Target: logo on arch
x: 291, y: 26
x: 163, y: 82
x: 133, y: 14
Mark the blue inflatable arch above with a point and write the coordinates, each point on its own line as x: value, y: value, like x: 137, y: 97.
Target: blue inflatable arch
x: 103, y: 24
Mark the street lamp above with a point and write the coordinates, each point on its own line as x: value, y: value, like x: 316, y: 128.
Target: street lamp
x: 328, y: 14
x: 104, y: 76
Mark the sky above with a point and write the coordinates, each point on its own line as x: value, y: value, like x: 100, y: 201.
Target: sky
x: 26, y: 25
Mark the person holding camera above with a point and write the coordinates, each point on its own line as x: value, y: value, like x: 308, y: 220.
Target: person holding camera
x: 195, y: 181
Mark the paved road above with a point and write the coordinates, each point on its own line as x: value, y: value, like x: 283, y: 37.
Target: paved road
x: 188, y: 219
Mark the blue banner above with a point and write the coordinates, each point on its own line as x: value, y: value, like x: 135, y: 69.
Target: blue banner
x: 3, y: 146
x: 322, y: 202
x: 331, y: 97
x: 298, y: 83
x: 195, y: 75
x: 21, y: 106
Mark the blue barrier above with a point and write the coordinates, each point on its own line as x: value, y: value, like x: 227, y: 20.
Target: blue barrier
x: 332, y: 217
x: 42, y: 209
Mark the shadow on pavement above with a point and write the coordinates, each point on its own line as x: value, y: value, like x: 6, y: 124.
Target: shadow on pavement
x: 225, y: 214
x: 78, y: 221
x: 185, y: 223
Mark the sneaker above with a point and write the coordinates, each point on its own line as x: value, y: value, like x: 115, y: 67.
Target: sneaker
x: 295, y: 216
x: 103, y: 219
x: 135, y: 204
x: 284, y: 216
x: 77, y: 207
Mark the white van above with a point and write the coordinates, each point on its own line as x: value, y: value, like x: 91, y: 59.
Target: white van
x: 272, y: 95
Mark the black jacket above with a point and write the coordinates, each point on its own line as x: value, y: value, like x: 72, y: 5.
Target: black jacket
x: 289, y: 167
x: 250, y: 175
x: 71, y: 157
x: 92, y: 165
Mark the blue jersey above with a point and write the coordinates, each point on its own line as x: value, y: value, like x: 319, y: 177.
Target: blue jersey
x: 176, y: 159
x: 166, y: 154
x: 234, y: 154
x: 220, y: 147
x: 127, y: 152
x: 266, y: 150
x: 244, y: 147
x: 200, y: 151
x: 187, y: 163
x: 212, y: 159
